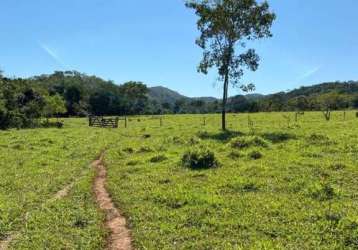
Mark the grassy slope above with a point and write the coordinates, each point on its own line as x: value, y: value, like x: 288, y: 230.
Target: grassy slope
x: 273, y: 202
x: 35, y: 165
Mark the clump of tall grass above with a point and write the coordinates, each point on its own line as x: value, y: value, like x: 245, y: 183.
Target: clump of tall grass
x: 319, y: 139
x: 158, y: 158
x: 199, y: 158
x: 245, y: 142
x: 255, y: 155
x: 145, y: 149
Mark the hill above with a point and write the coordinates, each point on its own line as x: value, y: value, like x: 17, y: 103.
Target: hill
x: 164, y: 95
x: 350, y: 87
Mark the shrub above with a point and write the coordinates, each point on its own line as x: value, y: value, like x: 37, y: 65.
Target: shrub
x: 245, y: 142
x: 255, y: 155
x: 199, y: 158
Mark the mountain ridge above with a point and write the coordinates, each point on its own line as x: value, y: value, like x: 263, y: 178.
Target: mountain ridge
x: 347, y: 87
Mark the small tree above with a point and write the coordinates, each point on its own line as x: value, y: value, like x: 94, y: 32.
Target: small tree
x: 225, y: 25
x: 54, y: 106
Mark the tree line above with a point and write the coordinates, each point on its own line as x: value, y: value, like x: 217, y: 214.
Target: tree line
x: 25, y: 101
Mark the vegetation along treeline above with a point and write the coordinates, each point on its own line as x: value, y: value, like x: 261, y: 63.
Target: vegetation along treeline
x: 24, y: 101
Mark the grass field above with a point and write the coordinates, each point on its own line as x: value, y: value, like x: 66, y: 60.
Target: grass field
x: 278, y: 184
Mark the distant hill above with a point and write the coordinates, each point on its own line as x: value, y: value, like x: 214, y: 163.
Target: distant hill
x: 164, y: 95
x: 205, y: 99
x: 349, y: 87
x: 254, y: 97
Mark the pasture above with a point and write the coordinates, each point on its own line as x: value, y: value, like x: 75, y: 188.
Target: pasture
x: 275, y: 183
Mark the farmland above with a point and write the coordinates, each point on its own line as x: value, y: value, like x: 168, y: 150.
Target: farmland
x: 276, y: 183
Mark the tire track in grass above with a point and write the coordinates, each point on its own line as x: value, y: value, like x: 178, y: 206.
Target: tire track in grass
x: 59, y: 195
x: 120, y: 238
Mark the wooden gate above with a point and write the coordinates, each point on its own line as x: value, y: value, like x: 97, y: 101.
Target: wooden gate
x: 101, y: 122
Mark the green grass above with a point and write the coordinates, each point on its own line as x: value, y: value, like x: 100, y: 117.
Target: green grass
x: 35, y: 164
x: 276, y: 185
x: 280, y: 200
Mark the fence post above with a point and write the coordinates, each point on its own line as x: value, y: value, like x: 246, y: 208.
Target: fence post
x: 125, y: 121
x: 204, y: 122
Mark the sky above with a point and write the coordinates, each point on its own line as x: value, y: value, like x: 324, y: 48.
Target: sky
x: 154, y: 42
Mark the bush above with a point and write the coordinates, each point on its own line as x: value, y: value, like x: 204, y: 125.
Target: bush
x: 245, y: 142
x: 199, y: 158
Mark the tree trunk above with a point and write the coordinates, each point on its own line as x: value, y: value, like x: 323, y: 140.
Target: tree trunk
x: 223, y: 115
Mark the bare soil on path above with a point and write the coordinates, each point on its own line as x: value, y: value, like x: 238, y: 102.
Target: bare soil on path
x: 119, y: 238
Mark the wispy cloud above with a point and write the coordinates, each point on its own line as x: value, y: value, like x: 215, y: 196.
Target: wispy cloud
x: 309, y: 73
x: 52, y: 53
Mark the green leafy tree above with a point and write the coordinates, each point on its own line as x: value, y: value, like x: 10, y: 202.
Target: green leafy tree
x: 226, y: 25
x: 73, y: 98
x: 355, y: 102
x: 135, y: 95
x: 54, y: 106
x: 100, y: 103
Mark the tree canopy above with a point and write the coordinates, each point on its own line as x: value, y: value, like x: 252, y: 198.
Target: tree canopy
x: 226, y: 26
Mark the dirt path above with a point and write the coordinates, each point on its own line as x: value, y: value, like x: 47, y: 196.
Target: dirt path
x: 119, y: 238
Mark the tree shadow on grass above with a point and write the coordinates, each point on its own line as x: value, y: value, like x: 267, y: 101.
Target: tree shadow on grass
x: 223, y: 136
x: 278, y: 137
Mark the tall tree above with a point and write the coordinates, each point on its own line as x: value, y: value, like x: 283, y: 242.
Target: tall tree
x: 226, y: 25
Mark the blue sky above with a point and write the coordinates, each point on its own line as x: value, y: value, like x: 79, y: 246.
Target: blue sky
x: 153, y: 42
